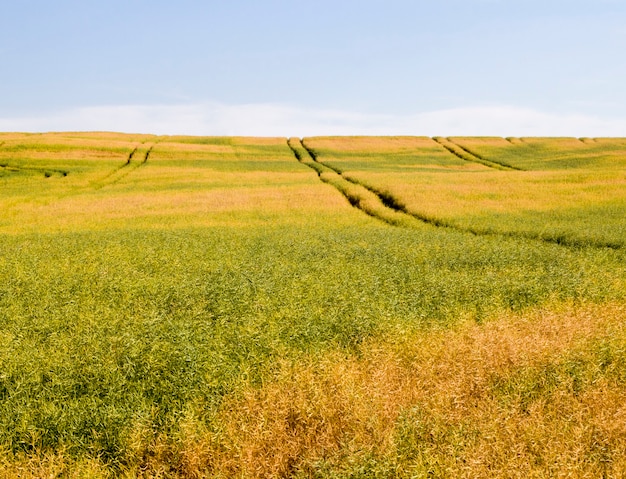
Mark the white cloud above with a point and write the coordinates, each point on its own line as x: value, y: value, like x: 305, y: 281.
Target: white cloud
x: 284, y: 120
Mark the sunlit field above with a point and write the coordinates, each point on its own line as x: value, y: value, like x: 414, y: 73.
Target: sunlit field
x: 331, y: 307
x: 563, y: 190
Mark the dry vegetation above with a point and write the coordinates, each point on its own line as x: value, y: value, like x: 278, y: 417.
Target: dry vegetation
x: 519, y: 397
x: 524, y: 396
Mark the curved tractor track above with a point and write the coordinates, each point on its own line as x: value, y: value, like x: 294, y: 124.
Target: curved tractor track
x: 383, y: 206
x: 466, y: 154
x: 361, y: 197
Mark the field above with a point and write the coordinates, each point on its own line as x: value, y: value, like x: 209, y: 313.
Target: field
x: 319, y: 308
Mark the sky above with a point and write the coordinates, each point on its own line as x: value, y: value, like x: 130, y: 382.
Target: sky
x: 323, y: 67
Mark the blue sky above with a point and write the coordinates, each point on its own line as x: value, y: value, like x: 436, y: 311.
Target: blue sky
x: 517, y: 67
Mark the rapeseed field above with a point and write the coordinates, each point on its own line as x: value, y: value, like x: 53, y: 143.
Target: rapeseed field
x: 322, y: 307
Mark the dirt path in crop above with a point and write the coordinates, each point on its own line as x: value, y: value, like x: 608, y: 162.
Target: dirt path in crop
x: 467, y: 155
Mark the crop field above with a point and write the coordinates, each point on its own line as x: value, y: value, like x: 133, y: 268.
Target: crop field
x: 562, y: 190
x: 327, y: 307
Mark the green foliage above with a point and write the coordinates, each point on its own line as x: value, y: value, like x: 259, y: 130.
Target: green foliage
x: 103, y: 330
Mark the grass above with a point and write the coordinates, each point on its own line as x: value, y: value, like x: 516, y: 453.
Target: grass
x: 220, y: 310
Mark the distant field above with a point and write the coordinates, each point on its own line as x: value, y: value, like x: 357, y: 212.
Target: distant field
x: 327, y: 307
x: 562, y: 190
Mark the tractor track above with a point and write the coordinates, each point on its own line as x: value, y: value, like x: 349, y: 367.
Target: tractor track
x: 486, y: 161
x: 396, y: 208
x: 122, y: 166
x: 467, y: 155
x: 147, y: 155
x: 358, y: 195
x: 386, y: 198
x: 130, y: 165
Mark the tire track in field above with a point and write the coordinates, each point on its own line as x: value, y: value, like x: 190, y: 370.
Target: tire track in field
x: 130, y: 165
x: 359, y: 196
x: 385, y: 197
x: 124, y: 165
x: 147, y: 155
x: 401, y: 214
x: 465, y: 154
